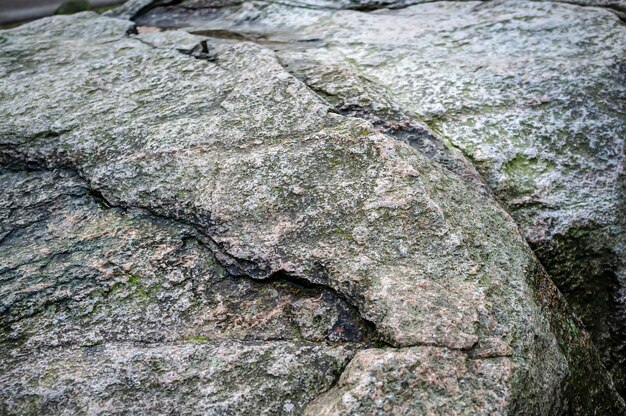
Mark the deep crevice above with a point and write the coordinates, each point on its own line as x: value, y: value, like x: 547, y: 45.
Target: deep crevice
x: 153, y: 5
x: 200, y: 51
x: 283, y: 276
x: 236, y: 267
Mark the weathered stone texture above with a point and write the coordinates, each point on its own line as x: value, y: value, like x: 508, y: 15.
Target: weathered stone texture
x: 531, y: 92
x: 183, y: 218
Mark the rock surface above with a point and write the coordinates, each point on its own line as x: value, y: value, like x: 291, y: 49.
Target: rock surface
x: 531, y: 92
x: 185, y: 225
x: 100, y: 304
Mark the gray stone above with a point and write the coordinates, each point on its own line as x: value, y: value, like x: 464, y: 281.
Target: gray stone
x: 191, y: 167
x: 426, y: 380
x: 531, y: 92
x: 110, y: 311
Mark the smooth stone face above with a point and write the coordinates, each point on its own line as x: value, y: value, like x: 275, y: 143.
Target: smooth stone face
x: 215, y: 139
x: 531, y: 92
x: 426, y: 380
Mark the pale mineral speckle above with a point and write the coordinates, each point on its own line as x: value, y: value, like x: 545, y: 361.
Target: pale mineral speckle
x: 288, y: 406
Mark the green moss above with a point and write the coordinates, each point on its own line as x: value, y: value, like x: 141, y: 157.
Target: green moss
x: 156, y: 364
x: 572, y: 327
x: 196, y: 338
x: 297, y: 333
x: 117, y: 286
x: 343, y: 233
x: 525, y: 171
x: 133, y: 280
x: 51, y: 310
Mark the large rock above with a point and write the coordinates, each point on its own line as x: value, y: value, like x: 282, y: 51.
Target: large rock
x: 187, y: 227
x: 531, y: 92
x: 110, y: 311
